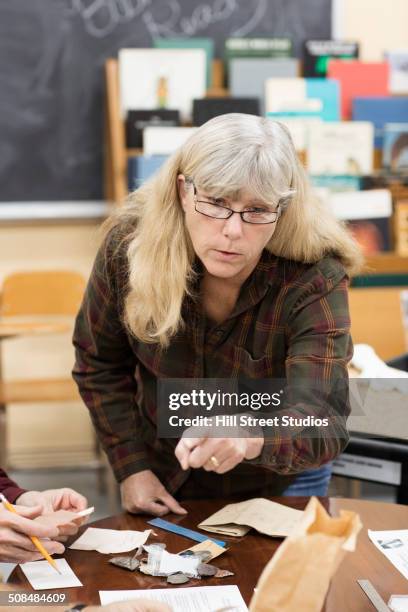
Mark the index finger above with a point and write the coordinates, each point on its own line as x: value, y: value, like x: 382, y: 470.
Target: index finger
x: 30, y: 527
x: 183, y: 450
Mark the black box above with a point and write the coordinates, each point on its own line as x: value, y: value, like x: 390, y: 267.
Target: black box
x: 207, y: 108
x: 137, y: 120
x: 317, y: 53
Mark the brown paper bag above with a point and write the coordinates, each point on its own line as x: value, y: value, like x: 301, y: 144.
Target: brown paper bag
x: 298, y: 575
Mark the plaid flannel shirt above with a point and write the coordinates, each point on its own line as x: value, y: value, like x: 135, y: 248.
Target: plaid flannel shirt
x: 9, y: 488
x: 290, y: 320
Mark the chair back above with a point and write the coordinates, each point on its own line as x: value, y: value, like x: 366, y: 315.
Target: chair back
x: 376, y: 319
x: 42, y: 292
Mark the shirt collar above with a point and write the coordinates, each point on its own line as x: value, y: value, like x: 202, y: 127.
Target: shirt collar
x: 255, y: 286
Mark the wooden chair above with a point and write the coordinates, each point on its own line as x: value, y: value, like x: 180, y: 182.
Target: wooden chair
x: 34, y: 303
x: 376, y: 319
x: 42, y: 302
x: 39, y: 302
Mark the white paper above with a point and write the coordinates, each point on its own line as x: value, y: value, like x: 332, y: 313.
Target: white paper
x: 398, y: 603
x: 394, y: 545
x: 186, y: 599
x: 168, y: 563
x: 171, y: 564
x: 41, y: 575
x: 85, y: 512
x: 6, y: 569
x: 108, y: 541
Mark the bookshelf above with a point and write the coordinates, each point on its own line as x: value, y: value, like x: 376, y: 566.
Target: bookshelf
x: 117, y: 155
x: 386, y: 263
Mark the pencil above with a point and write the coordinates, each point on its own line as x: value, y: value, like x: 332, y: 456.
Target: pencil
x: 34, y: 539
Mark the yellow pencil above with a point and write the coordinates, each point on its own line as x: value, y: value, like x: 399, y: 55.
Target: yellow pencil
x: 34, y: 539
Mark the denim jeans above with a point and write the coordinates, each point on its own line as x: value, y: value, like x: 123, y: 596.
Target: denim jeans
x: 311, y: 482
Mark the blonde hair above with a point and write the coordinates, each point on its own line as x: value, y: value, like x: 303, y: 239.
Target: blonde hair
x: 225, y: 155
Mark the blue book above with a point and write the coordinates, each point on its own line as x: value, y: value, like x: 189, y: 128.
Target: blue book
x: 328, y: 91
x: 380, y: 110
x: 190, y: 43
x: 337, y: 182
x: 141, y: 167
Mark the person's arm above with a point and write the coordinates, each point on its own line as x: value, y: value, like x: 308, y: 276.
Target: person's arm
x: 105, y: 374
x: 319, y: 348
x: 105, y: 367
x: 9, y: 488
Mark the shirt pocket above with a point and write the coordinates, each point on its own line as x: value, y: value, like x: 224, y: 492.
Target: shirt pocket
x: 246, y: 366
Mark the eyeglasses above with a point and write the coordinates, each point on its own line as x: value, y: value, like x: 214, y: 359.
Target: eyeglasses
x: 216, y: 210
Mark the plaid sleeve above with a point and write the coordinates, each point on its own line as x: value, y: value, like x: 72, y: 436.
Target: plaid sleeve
x: 319, y: 348
x: 9, y: 488
x: 105, y: 367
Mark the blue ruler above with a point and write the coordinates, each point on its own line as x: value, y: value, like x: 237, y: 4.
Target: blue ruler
x: 187, y: 533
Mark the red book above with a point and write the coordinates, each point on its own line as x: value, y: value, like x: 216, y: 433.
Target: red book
x: 358, y: 79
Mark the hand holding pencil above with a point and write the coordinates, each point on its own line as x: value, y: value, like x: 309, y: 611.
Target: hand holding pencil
x: 19, y: 535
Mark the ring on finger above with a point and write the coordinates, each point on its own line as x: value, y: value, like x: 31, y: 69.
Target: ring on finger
x: 214, y: 462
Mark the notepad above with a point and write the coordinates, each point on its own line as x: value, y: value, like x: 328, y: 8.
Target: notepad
x: 108, y: 541
x: 6, y: 569
x: 41, y: 575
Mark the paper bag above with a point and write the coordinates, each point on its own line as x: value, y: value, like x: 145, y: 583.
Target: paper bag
x: 298, y: 575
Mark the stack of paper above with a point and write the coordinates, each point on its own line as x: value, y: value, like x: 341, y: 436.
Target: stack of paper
x: 199, y: 599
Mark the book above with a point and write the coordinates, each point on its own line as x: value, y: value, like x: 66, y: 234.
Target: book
x: 142, y: 167
x: 328, y: 91
x: 156, y: 78
x: 344, y: 147
x: 257, y: 47
x: 165, y: 140
x: 137, y: 120
x: 358, y: 79
x: 368, y: 215
x: 310, y: 108
x: 401, y: 228
x: 286, y: 95
x: 207, y: 44
x: 396, y: 183
x: 248, y: 76
x: 335, y: 183
x: 299, y: 129
x: 398, y: 62
x: 207, y: 108
x: 380, y: 110
x: 395, y: 148
x: 318, y: 53
x: 237, y: 46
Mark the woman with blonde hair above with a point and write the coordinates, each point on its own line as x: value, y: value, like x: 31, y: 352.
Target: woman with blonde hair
x: 223, y: 265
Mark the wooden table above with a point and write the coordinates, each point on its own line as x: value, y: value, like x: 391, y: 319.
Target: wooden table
x: 247, y: 556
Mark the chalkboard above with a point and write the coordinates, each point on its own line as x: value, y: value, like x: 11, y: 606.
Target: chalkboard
x: 52, y: 54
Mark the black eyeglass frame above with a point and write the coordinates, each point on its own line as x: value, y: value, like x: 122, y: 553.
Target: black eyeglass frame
x: 230, y: 211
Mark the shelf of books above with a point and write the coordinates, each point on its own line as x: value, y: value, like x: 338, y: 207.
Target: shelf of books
x: 348, y: 120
